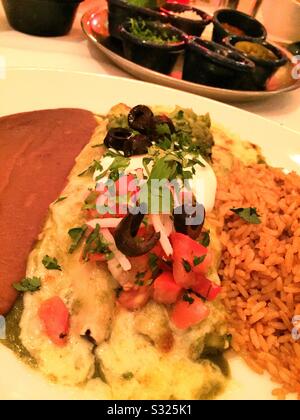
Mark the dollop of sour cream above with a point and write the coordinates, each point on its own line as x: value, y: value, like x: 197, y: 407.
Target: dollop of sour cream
x: 203, y: 183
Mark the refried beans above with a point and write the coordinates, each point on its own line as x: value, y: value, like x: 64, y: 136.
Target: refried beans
x: 37, y: 152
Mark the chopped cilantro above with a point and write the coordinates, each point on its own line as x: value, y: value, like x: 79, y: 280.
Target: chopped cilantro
x: 187, y: 266
x: 28, y: 284
x: 199, y: 260
x: 119, y: 163
x: 95, y: 244
x: 205, y: 239
x: 95, y: 166
x: 51, y: 263
x: 60, y: 199
x: 90, y: 201
x: 76, y: 235
x: 143, y: 31
x: 128, y: 376
x: 187, y: 297
x: 153, y: 262
x: 249, y: 214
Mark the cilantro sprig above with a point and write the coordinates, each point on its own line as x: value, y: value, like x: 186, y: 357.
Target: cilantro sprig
x: 248, y: 214
x: 28, y: 285
x: 51, y: 263
x: 77, y: 235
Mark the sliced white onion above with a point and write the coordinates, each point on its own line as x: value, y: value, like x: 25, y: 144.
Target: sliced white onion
x: 110, y: 222
x: 123, y: 260
x: 164, y: 240
x: 167, y: 223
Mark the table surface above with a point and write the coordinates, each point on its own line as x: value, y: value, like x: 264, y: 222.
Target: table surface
x: 73, y: 52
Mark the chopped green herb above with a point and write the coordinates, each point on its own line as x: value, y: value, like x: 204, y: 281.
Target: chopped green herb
x: 120, y: 163
x: 128, y: 376
x: 180, y: 115
x: 187, y: 297
x: 165, y: 143
x: 95, y: 166
x: 205, y: 239
x: 28, y: 284
x: 249, y: 214
x: 90, y: 201
x: 143, y: 31
x: 163, y: 129
x: 76, y: 235
x: 140, y: 275
x: 199, y: 260
x: 153, y: 262
x: 146, y: 162
x: 51, y: 263
x: 95, y: 244
x: 187, y: 266
x: 60, y: 199
x: 97, y: 145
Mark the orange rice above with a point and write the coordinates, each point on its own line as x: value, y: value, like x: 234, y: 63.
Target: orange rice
x: 260, y: 269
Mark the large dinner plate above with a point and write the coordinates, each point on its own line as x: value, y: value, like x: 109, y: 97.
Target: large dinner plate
x: 27, y: 90
x: 94, y: 25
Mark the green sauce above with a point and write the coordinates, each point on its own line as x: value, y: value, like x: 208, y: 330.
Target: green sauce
x: 13, y: 331
x: 255, y: 50
x: 141, y: 30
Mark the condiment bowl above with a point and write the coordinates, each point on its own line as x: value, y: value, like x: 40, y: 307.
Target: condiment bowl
x: 258, y: 51
x: 188, y: 25
x: 41, y: 17
x: 119, y: 11
x: 241, y: 23
x: 212, y: 64
x: 160, y: 57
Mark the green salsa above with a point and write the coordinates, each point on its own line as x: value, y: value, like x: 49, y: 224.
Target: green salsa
x: 255, y: 50
x: 13, y: 331
x: 148, y: 33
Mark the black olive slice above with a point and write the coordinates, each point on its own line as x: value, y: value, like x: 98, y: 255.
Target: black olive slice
x: 126, y: 240
x: 140, y: 118
x: 116, y: 137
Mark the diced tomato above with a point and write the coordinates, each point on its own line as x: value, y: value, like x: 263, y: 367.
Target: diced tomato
x: 206, y: 288
x: 183, y: 275
x: 187, y: 314
x: 136, y: 298
x: 190, y: 258
x: 56, y: 320
x: 97, y: 257
x: 166, y: 291
x: 158, y: 250
x: 140, y: 268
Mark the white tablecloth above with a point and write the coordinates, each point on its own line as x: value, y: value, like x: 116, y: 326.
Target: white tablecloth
x: 73, y: 52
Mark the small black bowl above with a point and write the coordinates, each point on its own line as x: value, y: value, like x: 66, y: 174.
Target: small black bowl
x: 189, y: 26
x: 212, y: 64
x: 264, y: 69
x: 41, y: 17
x: 250, y: 26
x: 157, y: 57
x: 119, y: 11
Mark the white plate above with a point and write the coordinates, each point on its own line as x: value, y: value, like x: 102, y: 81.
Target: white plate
x: 27, y: 90
x: 280, y: 83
